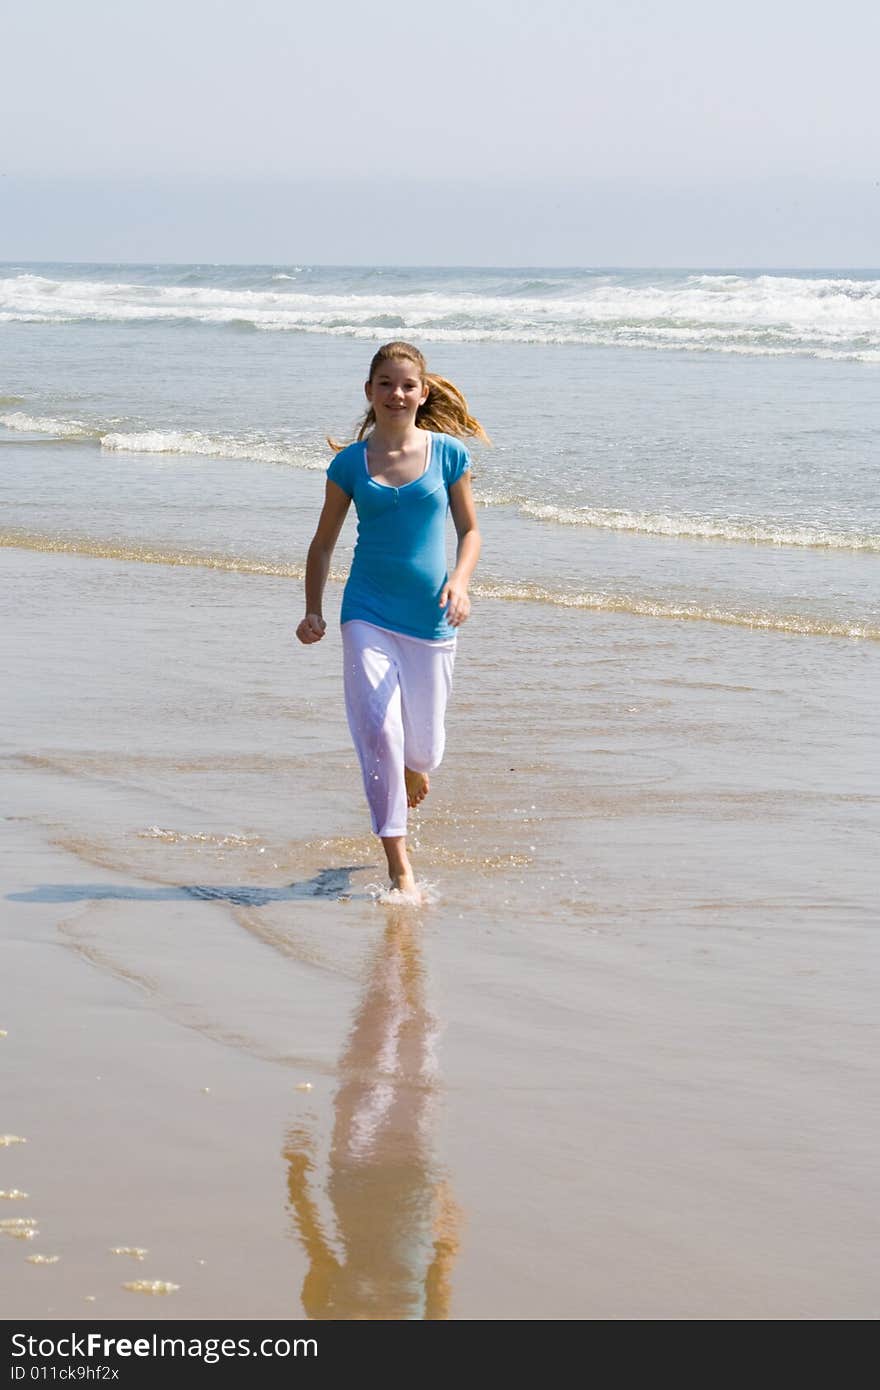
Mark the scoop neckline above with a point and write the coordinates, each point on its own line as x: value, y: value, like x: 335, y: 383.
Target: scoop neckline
x: 389, y: 487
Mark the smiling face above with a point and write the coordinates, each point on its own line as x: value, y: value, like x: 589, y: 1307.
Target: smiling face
x: 396, y: 390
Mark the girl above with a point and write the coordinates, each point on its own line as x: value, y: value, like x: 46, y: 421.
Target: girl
x: 400, y: 609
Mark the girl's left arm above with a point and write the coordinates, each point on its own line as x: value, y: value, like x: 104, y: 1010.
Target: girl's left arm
x: 464, y: 515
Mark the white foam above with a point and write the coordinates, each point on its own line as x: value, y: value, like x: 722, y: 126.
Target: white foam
x: 180, y: 442
x: 212, y: 446
x: 781, y: 533
x: 764, y: 315
x: 47, y: 424
x: 191, y: 443
x: 424, y: 895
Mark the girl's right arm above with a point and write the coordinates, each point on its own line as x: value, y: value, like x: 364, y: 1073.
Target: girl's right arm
x: 336, y: 505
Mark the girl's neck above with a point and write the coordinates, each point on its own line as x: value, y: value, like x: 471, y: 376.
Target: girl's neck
x: 396, y: 440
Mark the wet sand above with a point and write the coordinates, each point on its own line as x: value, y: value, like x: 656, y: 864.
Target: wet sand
x: 622, y: 1066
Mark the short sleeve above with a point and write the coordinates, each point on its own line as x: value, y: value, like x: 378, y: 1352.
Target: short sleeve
x: 456, y: 462
x: 340, y: 471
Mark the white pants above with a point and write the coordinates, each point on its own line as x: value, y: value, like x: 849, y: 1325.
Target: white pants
x: 396, y: 689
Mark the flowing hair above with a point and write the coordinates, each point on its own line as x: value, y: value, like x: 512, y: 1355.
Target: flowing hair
x: 444, y: 412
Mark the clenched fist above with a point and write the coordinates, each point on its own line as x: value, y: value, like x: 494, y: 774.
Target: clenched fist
x: 311, y: 629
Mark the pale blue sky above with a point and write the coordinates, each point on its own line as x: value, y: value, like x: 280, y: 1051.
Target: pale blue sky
x: 618, y: 132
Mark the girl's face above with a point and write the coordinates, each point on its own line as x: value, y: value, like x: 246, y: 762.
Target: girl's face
x: 396, y: 390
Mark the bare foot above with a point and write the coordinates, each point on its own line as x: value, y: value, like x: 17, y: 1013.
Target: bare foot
x: 417, y: 786
x: 403, y: 880
x: 406, y: 884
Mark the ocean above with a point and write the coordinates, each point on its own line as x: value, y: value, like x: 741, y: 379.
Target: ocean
x: 647, y: 957
x: 667, y: 444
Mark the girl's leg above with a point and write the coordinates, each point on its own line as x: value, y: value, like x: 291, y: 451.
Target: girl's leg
x: 399, y: 868
x: 425, y: 676
x: 373, y: 706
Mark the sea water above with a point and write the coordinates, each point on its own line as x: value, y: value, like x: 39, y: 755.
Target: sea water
x: 698, y: 446
x: 643, y: 986
x: 695, y: 451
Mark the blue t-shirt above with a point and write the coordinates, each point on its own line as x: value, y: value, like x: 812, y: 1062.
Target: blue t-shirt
x: 399, y: 565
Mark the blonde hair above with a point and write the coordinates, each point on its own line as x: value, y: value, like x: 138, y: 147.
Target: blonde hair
x: 444, y: 412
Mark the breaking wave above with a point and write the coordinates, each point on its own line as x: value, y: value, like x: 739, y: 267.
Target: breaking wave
x: 756, y: 315
x: 314, y: 457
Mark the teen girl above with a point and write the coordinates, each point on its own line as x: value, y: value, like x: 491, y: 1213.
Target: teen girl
x: 400, y: 608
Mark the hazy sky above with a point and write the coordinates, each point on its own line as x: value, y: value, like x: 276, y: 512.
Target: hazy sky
x: 678, y: 113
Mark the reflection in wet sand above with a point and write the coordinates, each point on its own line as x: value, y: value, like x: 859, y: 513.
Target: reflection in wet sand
x: 396, y: 1222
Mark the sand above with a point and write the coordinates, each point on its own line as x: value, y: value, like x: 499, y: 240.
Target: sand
x: 621, y: 1067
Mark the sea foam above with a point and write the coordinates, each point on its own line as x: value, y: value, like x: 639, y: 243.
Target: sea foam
x: 314, y: 457
x: 759, y: 315
x: 781, y: 533
x: 163, y: 441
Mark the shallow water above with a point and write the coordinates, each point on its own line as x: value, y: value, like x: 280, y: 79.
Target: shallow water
x: 639, y: 1009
